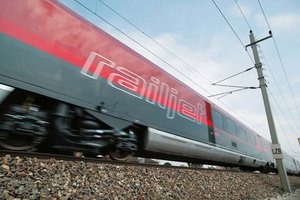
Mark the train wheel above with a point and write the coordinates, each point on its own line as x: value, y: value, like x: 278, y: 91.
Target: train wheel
x: 118, y: 154
x: 22, y: 130
x: 17, y: 143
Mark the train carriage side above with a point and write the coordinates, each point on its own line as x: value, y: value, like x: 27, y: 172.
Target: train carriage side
x: 234, y: 135
x: 290, y: 164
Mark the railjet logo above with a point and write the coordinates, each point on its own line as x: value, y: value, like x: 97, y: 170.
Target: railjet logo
x: 152, y: 91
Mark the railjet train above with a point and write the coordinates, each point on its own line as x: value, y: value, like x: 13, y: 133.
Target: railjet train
x: 66, y: 85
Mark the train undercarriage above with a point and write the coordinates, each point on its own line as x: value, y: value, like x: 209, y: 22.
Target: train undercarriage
x: 30, y: 122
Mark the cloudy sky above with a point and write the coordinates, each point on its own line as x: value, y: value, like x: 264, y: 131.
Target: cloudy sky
x: 196, y: 32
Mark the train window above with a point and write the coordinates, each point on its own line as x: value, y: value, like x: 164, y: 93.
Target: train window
x: 266, y: 146
x: 251, y: 138
x: 241, y: 133
x: 229, y: 125
x: 217, y: 119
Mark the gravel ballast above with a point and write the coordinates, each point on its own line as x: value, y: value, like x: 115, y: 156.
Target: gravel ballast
x: 31, y: 178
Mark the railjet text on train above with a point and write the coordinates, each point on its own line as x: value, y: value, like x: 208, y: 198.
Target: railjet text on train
x: 154, y: 92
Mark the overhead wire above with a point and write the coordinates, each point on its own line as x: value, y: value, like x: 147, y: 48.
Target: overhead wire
x: 241, y: 11
x: 245, y: 19
x: 239, y: 73
x: 239, y: 39
x: 280, y: 59
x: 263, y: 12
x: 286, y: 77
x: 277, y: 86
x: 282, y: 113
x: 282, y: 130
x: 285, y: 74
x: 232, y: 29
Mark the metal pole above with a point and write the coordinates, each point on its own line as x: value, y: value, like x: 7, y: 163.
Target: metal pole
x: 281, y: 169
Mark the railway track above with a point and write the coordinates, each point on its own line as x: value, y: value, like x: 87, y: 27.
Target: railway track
x: 103, y: 160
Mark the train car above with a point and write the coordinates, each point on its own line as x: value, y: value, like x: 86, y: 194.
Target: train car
x: 291, y: 164
x: 67, y: 85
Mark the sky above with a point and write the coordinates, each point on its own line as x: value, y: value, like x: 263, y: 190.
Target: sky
x: 196, y: 32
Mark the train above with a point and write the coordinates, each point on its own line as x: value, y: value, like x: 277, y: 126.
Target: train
x: 68, y: 86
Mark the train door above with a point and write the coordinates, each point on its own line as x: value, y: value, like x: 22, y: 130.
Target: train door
x: 259, y: 147
x: 296, y: 166
x: 211, y: 135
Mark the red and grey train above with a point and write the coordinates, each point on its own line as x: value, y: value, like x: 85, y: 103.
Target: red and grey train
x: 67, y: 85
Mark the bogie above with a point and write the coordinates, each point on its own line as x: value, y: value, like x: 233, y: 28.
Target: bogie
x: 27, y: 124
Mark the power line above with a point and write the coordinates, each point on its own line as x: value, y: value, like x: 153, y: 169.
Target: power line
x: 236, y: 35
x: 245, y: 19
x: 280, y: 59
x: 248, y: 53
x: 283, y: 131
x: 246, y: 70
x: 278, y: 120
x: 231, y: 27
x: 285, y: 74
x: 281, y: 110
x: 277, y: 85
x: 232, y: 86
x: 243, y: 15
x: 262, y: 10
x: 228, y: 23
x: 284, y: 99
